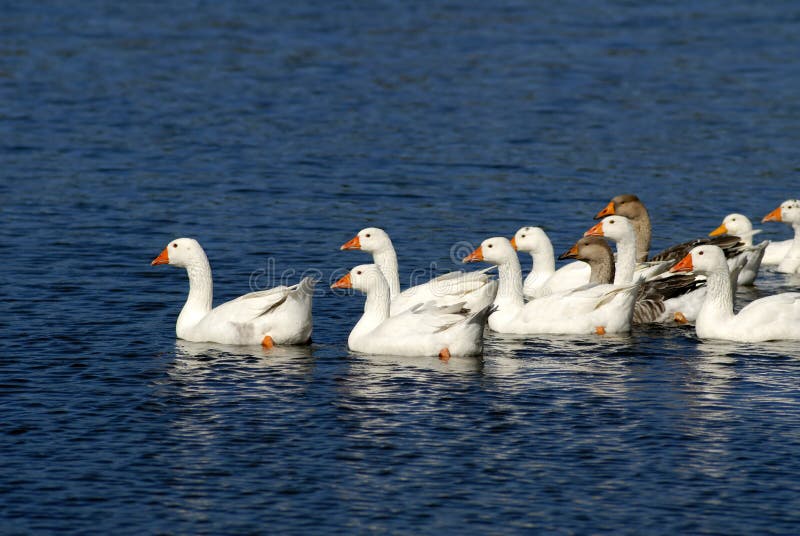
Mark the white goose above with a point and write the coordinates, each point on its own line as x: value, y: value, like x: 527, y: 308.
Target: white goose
x: 543, y: 278
x: 789, y: 212
x: 775, y: 317
x: 281, y: 315
x: 423, y: 330
x: 473, y: 289
x: 740, y: 226
x: 586, y: 310
x: 683, y: 306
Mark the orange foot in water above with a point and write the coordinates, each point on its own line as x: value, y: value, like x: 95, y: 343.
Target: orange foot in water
x: 267, y: 342
x: 600, y: 330
x: 444, y: 355
x: 680, y: 318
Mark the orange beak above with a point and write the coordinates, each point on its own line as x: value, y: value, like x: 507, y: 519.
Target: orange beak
x: 684, y: 265
x: 608, y: 211
x: 597, y: 230
x: 571, y: 254
x: 475, y: 256
x: 775, y: 215
x: 163, y: 258
x: 343, y: 282
x: 355, y: 243
x: 719, y: 231
x: 514, y: 243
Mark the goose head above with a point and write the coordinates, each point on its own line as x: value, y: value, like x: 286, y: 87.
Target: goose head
x: 616, y: 228
x: 702, y: 260
x: 180, y: 252
x: 364, y: 277
x: 788, y: 212
x: 371, y: 240
x: 734, y: 224
x: 497, y: 250
x: 627, y: 205
x: 530, y: 240
x: 589, y: 249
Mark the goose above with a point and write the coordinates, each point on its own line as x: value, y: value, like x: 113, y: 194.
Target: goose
x: 426, y: 329
x: 280, y: 315
x: 544, y: 279
x: 649, y: 306
x: 775, y: 317
x: 740, y: 226
x: 586, y: 310
x: 681, y: 306
x: 472, y: 288
x: 789, y: 212
x: 631, y: 207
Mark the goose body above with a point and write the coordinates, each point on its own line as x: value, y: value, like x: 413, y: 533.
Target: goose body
x: 775, y: 317
x: 776, y: 252
x: 471, y: 289
x: 585, y: 310
x: 281, y: 315
x: 425, y: 329
x: 789, y: 212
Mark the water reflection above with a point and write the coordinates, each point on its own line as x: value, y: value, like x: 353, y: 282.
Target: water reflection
x: 202, y: 357
x: 712, y: 385
x: 389, y: 382
x: 208, y: 382
x: 409, y: 367
x: 596, y: 364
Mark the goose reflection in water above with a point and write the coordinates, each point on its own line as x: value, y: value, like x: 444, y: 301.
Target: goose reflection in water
x: 593, y: 363
x: 205, y: 352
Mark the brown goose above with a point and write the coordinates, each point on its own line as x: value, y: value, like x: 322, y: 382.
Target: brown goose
x: 631, y: 207
x: 652, y: 296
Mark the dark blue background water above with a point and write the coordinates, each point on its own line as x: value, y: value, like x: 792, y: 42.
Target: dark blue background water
x: 272, y: 132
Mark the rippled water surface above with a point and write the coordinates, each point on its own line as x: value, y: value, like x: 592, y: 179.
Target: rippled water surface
x: 272, y: 132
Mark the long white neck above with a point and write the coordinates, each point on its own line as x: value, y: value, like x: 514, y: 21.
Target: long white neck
x: 794, y: 250
x: 386, y: 259
x: 376, y: 309
x: 544, y: 260
x: 201, y: 294
x: 718, y: 304
x: 791, y: 262
x: 509, y: 289
x: 626, y: 260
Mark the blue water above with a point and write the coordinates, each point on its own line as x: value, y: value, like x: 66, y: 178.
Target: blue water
x: 272, y: 132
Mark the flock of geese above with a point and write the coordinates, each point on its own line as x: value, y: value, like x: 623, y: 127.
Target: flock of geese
x: 600, y: 293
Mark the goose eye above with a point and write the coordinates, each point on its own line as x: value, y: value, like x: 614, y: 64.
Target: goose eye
x: 367, y: 235
x: 490, y: 245
x: 700, y: 252
x: 174, y: 245
x: 611, y: 221
x: 358, y: 272
x: 523, y: 236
